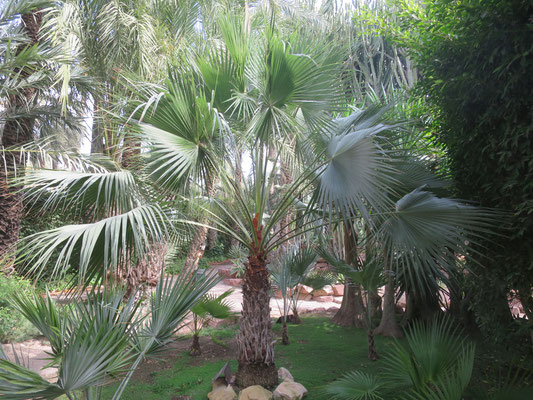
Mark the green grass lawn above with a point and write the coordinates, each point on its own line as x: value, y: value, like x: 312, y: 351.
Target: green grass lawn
x: 319, y: 353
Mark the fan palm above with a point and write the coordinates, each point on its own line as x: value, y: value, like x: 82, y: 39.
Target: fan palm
x: 256, y: 89
x: 435, y: 363
x: 290, y: 270
x: 105, y: 338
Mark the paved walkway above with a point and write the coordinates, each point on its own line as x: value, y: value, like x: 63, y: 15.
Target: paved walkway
x: 34, y: 352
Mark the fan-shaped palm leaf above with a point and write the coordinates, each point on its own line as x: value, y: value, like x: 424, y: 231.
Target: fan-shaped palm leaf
x: 356, y: 386
x: 96, y: 248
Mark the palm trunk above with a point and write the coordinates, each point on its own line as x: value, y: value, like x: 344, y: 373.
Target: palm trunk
x: 212, y: 235
x: 255, y: 339
x: 195, y: 349
x: 15, y: 133
x: 97, y: 139
x: 352, y: 311
x: 389, y: 325
x: 199, y: 241
x: 146, y: 271
x: 285, y: 332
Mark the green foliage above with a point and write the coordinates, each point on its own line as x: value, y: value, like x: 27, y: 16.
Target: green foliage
x: 355, y: 385
x: 101, y: 338
x: 13, y: 326
x: 435, y: 363
x: 476, y: 58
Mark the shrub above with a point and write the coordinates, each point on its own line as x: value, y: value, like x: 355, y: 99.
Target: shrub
x: 13, y: 327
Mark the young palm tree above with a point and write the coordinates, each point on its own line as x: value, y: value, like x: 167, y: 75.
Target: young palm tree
x: 101, y: 339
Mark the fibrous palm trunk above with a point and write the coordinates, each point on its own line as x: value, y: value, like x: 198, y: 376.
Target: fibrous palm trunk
x: 255, y: 339
x: 352, y: 310
x: 16, y: 132
x: 389, y: 325
x: 199, y: 241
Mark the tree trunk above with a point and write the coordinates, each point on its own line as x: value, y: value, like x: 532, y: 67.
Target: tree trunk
x: 199, y: 241
x: 255, y: 339
x: 195, y: 349
x: 212, y: 235
x: 146, y: 271
x: 238, y: 180
x: 372, y: 352
x: 352, y: 311
x: 389, y: 325
x: 97, y: 138
x: 284, y: 332
x: 15, y: 133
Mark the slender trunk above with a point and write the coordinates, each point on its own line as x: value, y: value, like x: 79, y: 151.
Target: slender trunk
x: 233, y: 243
x: 97, y: 139
x: 212, y: 235
x: 255, y: 339
x: 199, y: 241
x: 389, y: 325
x: 16, y: 132
x: 352, y: 311
x: 372, y: 352
x: 284, y: 332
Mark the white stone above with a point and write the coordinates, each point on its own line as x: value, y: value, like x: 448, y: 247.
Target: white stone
x: 255, y: 392
x: 290, y: 391
x: 222, y: 393
x: 285, y: 375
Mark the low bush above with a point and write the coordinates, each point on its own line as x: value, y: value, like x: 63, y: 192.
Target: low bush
x: 13, y: 326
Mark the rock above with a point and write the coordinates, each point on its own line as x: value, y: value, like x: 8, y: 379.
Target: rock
x: 338, y: 290
x: 233, y: 282
x: 305, y: 289
x: 336, y: 300
x: 222, y: 393
x: 225, y: 272
x: 285, y: 375
x: 289, y: 391
x: 277, y: 294
x: 318, y: 310
x: 255, y: 392
x: 323, y: 299
x: 305, y: 297
x: 319, y: 293
x: 328, y: 289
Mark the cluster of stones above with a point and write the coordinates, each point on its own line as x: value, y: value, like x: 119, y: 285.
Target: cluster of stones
x: 328, y: 294
x: 286, y: 390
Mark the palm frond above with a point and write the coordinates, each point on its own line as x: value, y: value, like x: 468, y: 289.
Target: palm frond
x: 356, y: 386
x: 97, y: 248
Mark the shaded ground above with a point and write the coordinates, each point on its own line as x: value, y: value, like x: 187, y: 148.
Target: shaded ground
x: 319, y: 353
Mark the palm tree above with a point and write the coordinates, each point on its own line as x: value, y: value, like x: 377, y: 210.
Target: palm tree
x: 30, y: 105
x: 101, y: 339
x: 256, y: 89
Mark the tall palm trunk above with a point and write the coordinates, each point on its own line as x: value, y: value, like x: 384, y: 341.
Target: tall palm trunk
x: 255, y: 343
x: 199, y: 241
x: 16, y: 132
x: 238, y: 180
x: 255, y: 339
x: 351, y: 312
